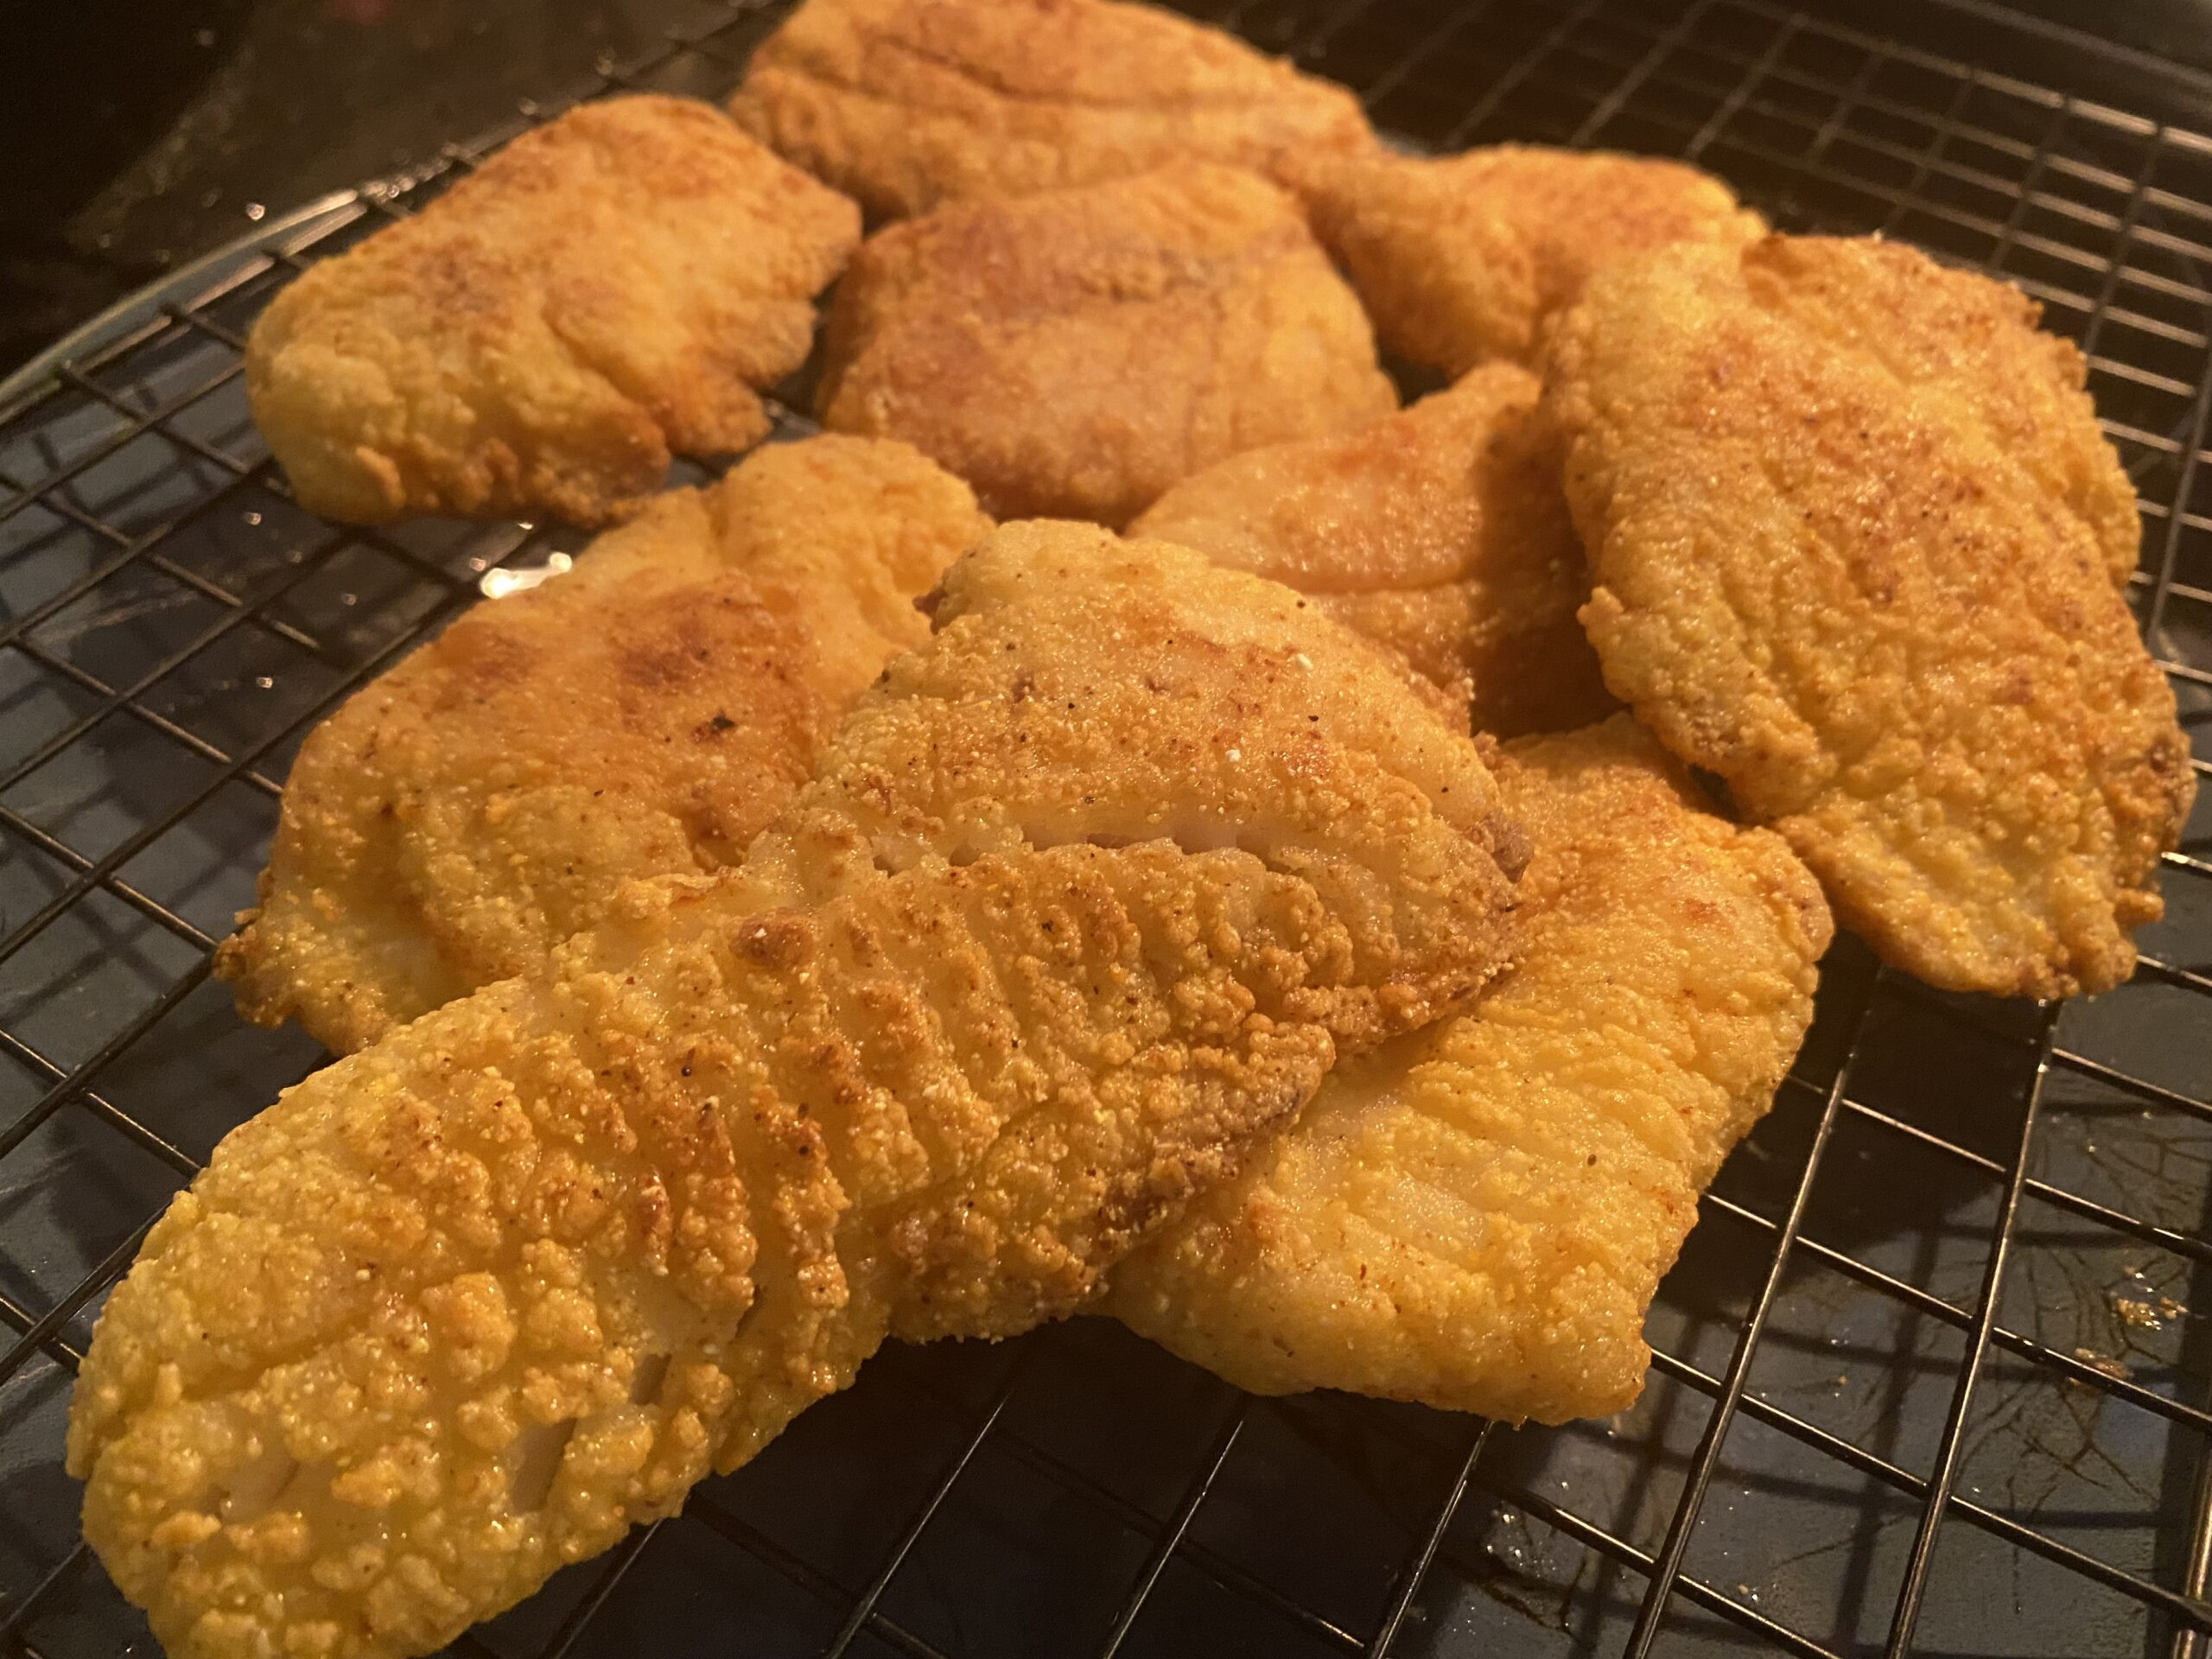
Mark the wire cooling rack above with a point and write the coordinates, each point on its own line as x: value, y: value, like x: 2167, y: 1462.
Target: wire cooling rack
x: 1927, y: 1376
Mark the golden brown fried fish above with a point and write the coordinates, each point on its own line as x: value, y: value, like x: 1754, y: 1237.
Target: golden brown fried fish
x: 907, y: 104
x: 1440, y: 532
x: 1476, y: 1216
x: 647, y: 714
x: 1464, y: 259
x: 603, y: 291
x: 1085, y: 899
x: 1854, y: 530
x: 1075, y: 353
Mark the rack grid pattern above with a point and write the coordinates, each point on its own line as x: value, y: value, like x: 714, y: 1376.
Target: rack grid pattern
x: 1926, y: 1380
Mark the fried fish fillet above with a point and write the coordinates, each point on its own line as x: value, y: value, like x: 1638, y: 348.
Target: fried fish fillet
x: 1463, y: 258
x: 906, y: 105
x: 647, y: 714
x: 604, y: 291
x: 1476, y: 1217
x: 1440, y: 532
x: 1075, y: 353
x: 1086, y: 895
x: 1854, y: 531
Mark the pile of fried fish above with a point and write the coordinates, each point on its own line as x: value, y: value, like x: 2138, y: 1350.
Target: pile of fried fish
x: 1129, y: 819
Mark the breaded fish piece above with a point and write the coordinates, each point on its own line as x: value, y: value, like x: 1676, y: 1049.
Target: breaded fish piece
x: 604, y: 292
x: 1075, y: 353
x: 1463, y: 258
x: 647, y: 714
x: 1476, y: 1217
x: 1854, y: 530
x: 1085, y: 898
x: 906, y: 105
x: 1440, y: 532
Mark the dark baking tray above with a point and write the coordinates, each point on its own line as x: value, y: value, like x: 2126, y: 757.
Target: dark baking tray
x: 1927, y: 1380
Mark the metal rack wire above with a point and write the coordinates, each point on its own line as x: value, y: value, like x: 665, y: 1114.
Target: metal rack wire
x: 1925, y: 1379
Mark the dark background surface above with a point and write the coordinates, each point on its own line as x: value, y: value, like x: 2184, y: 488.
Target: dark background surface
x: 140, y: 133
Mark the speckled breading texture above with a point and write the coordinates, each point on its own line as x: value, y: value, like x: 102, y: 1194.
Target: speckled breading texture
x: 1464, y: 259
x: 1855, y: 537
x: 906, y: 104
x: 1476, y: 1217
x: 648, y: 714
x: 1441, y: 531
x: 1087, y: 896
x: 1074, y: 353
x: 604, y: 291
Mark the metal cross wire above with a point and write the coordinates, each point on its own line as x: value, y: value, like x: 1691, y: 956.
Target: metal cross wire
x: 1823, y: 125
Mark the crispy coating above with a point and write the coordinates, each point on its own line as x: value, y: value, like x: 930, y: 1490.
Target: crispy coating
x: 1476, y: 1216
x: 604, y: 291
x: 1464, y: 259
x: 647, y: 714
x: 1440, y: 532
x: 1853, y: 530
x: 1074, y: 353
x: 906, y: 105
x: 1086, y: 896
